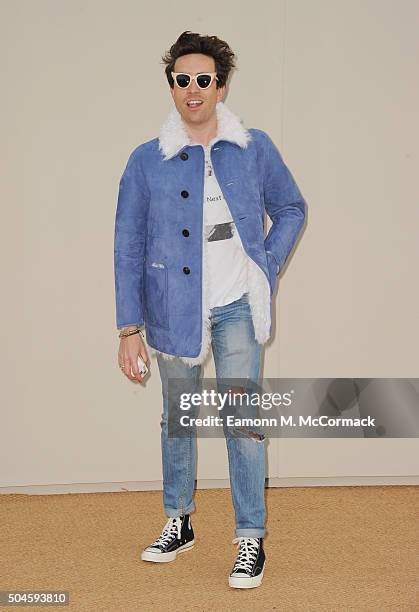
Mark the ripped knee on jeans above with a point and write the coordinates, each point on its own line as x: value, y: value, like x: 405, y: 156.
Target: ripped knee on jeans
x: 243, y: 431
x: 251, y: 434
x: 238, y: 390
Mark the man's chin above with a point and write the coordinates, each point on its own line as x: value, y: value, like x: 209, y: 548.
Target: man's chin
x: 192, y: 117
x: 195, y: 117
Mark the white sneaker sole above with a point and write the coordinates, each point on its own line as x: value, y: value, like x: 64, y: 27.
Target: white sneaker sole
x: 246, y: 583
x: 147, y: 555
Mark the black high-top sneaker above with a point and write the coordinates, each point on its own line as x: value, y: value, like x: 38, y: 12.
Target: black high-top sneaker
x: 176, y: 537
x: 250, y: 563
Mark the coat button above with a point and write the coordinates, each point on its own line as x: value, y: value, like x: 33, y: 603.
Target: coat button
x: 185, y: 232
x: 186, y: 270
x: 184, y: 156
x: 184, y: 194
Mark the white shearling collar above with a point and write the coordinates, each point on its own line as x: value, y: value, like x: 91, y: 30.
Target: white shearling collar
x: 173, y: 135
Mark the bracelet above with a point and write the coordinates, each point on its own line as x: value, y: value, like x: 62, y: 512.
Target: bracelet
x: 123, y: 334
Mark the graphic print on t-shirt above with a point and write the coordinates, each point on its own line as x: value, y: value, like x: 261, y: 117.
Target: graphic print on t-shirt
x: 221, y: 231
x: 226, y: 256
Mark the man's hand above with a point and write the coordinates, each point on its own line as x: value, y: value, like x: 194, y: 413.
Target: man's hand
x: 129, y: 349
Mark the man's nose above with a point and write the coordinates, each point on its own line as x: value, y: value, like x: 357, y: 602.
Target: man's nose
x: 193, y: 87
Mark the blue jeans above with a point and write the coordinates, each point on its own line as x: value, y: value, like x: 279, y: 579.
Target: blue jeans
x: 237, y: 355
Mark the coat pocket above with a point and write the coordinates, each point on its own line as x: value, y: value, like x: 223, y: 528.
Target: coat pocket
x: 156, y: 298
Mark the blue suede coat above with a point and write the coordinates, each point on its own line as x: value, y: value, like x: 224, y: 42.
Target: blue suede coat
x: 159, y: 244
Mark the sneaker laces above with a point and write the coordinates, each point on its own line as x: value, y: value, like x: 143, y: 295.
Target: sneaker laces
x: 248, y: 552
x: 170, y: 530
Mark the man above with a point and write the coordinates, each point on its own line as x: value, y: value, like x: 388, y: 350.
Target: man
x: 192, y: 265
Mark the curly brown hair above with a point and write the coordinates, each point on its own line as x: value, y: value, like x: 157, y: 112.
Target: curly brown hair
x: 191, y: 42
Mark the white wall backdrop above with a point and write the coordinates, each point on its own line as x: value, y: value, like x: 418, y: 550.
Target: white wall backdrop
x: 335, y: 85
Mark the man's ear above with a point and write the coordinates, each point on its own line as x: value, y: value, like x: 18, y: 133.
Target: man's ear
x: 220, y: 93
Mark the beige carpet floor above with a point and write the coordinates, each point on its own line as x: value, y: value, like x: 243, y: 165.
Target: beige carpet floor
x: 328, y: 549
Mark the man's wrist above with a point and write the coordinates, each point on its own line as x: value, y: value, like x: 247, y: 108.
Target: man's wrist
x: 129, y: 327
x: 130, y: 331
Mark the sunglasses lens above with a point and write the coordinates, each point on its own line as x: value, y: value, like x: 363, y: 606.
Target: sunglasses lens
x: 182, y: 80
x: 203, y: 80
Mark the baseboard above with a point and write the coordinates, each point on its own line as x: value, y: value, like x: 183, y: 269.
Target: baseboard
x: 156, y: 485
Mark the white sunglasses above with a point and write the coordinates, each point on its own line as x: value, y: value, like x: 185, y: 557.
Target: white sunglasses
x: 203, y: 79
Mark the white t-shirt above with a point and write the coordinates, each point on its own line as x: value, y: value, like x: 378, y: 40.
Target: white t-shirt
x: 227, y: 263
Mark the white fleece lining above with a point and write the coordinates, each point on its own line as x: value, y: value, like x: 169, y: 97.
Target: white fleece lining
x: 174, y: 137
x: 259, y: 300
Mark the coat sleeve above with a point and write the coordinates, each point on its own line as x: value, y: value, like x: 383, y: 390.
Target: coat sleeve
x: 284, y: 204
x: 129, y: 244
